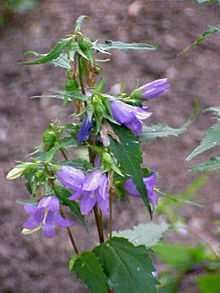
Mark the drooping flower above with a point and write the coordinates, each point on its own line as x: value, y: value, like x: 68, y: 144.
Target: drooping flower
x: 128, y: 115
x: 153, y: 89
x: 46, y: 216
x: 89, y: 189
x: 149, y: 182
x: 85, y: 130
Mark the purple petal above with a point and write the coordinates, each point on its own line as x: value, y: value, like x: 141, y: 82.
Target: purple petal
x: 85, y: 130
x: 92, y: 180
x: 71, y: 177
x: 120, y: 111
x: 150, y: 184
x: 50, y: 202
x: 34, y: 220
x: 134, y: 125
x: 130, y: 187
x: 49, y: 225
x: 86, y: 204
x: 75, y: 196
x: 155, y: 88
x: 62, y: 222
x: 30, y: 208
x: 103, y: 204
x: 49, y: 230
x: 103, y: 188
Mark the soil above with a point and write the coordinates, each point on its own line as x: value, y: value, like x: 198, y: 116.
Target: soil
x: 33, y: 264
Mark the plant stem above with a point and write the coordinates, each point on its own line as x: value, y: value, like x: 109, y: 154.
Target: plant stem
x: 99, y: 223
x: 81, y: 77
x: 70, y: 234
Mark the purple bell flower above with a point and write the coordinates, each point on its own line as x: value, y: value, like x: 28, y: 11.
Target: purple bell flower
x: 46, y: 216
x: 154, y: 89
x: 89, y: 189
x: 85, y: 130
x: 128, y: 115
x: 149, y: 182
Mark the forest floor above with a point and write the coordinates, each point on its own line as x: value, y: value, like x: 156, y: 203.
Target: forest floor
x: 32, y: 264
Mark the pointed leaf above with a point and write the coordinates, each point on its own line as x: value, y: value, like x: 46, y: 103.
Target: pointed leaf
x: 210, y: 140
x: 143, y: 234
x: 79, y: 22
x: 53, y: 54
x: 129, y: 156
x: 128, y: 268
x: 109, y: 45
x: 89, y: 270
x: 212, y: 164
x: 155, y: 131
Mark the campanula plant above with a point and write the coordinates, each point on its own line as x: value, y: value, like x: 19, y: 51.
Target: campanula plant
x: 68, y: 190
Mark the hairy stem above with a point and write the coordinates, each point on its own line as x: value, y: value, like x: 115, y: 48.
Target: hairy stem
x: 99, y: 223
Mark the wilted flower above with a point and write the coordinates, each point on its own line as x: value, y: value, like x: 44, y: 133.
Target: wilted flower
x: 128, y: 115
x: 153, y: 89
x: 89, y: 189
x: 45, y: 215
x: 85, y: 130
x: 149, y: 182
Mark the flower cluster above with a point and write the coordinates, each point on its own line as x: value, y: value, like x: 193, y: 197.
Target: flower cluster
x: 90, y: 189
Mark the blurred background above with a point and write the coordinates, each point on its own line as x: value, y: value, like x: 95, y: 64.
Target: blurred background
x: 33, y: 264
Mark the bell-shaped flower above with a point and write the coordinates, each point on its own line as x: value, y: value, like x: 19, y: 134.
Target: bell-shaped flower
x: 153, y: 89
x: 85, y: 130
x: 128, y: 115
x: 149, y: 182
x: 44, y: 215
x: 89, y: 189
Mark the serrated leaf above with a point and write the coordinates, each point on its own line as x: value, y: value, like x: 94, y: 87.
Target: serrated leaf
x: 127, y: 267
x: 109, y: 45
x: 129, y: 156
x: 143, y: 234
x: 210, y: 140
x: 212, y: 164
x: 53, y: 54
x: 209, y: 283
x: 63, y: 195
x: 155, y: 131
x: 89, y: 270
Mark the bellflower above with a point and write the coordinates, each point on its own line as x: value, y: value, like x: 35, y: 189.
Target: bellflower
x: 85, y: 130
x: 46, y: 216
x: 89, y: 189
x: 128, y: 115
x: 154, y: 89
x: 149, y: 182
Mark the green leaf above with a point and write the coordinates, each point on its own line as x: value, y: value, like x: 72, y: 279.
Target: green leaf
x: 155, y: 131
x: 63, y: 195
x: 109, y: 45
x: 129, y: 156
x: 143, y: 234
x: 127, y: 267
x: 210, y: 140
x: 53, y: 54
x: 180, y: 256
x: 208, y: 1
x: 209, y: 283
x: 212, y: 164
x: 89, y: 270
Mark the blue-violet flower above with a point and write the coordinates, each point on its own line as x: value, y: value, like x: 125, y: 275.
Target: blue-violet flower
x: 154, y: 89
x: 90, y: 189
x: 149, y: 182
x: 85, y: 130
x: 128, y: 115
x: 46, y: 216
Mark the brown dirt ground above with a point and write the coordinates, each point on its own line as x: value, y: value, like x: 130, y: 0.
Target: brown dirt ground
x: 33, y: 264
